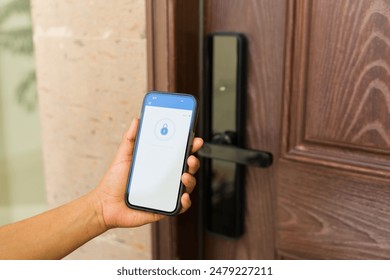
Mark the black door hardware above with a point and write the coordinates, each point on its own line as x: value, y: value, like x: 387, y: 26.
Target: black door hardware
x: 224, y: 156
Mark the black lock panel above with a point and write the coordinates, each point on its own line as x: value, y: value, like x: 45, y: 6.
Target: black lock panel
x: 224, y: 157
x: 224, y: 181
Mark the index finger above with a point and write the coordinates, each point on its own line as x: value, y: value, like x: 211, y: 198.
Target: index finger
x: 197, y: 144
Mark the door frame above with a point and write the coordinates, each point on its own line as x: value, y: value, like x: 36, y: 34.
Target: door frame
x: 173, y: 31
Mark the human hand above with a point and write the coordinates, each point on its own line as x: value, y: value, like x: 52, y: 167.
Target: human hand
x: 109, y: 195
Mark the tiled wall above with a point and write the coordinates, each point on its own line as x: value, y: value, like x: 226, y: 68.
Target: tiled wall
x: 91, y: 73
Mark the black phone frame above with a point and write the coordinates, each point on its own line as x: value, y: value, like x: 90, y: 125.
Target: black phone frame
x: 190, y: 138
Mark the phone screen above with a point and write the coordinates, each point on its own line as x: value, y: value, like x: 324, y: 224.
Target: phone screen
x: 161, y: 149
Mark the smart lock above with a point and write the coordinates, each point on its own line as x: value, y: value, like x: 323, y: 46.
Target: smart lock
x: 224, y: 156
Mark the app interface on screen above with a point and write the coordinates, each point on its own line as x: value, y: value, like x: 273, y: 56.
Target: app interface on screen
x: 158, y: 166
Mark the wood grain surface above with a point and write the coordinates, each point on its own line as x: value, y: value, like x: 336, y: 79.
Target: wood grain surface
x: 340, y: 85
x: 173, y: 36
x: 333, y: 180
x: 319, y: 100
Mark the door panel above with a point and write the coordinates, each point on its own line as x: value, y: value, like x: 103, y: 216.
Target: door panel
x: 319, y: 100
x: 340, y: 99
x: 333, y: 190
x: 328, y: 214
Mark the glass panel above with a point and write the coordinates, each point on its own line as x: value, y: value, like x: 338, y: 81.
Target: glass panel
x: 21, y: 172
x: 224, y: 83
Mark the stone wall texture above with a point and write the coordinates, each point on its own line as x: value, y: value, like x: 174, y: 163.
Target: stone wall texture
x: 91, y: 76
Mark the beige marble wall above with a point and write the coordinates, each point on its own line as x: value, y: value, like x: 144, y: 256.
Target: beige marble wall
x: 91, y: 73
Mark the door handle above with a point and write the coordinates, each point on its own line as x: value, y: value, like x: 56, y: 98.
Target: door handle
x: 224, y: 156
x: 231, y: 153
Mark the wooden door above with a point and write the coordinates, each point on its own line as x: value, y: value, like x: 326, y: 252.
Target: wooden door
x: 319, y: 100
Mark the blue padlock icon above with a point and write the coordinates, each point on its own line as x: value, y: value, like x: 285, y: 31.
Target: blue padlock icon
x: 164, y: 129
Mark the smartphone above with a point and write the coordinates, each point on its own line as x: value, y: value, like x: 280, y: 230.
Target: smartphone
x: 162, y: 146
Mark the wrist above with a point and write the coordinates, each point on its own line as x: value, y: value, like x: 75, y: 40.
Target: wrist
x: 97, y: 208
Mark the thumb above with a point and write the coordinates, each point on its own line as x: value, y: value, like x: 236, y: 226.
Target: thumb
x: 126, y: 148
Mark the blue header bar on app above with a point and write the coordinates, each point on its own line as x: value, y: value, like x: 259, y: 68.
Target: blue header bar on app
x: 169, y: 100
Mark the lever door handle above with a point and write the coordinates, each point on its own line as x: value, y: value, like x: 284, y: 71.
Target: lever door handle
x: 235, y: 154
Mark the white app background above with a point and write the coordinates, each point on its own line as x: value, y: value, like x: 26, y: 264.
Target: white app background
x: 158, y: 164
